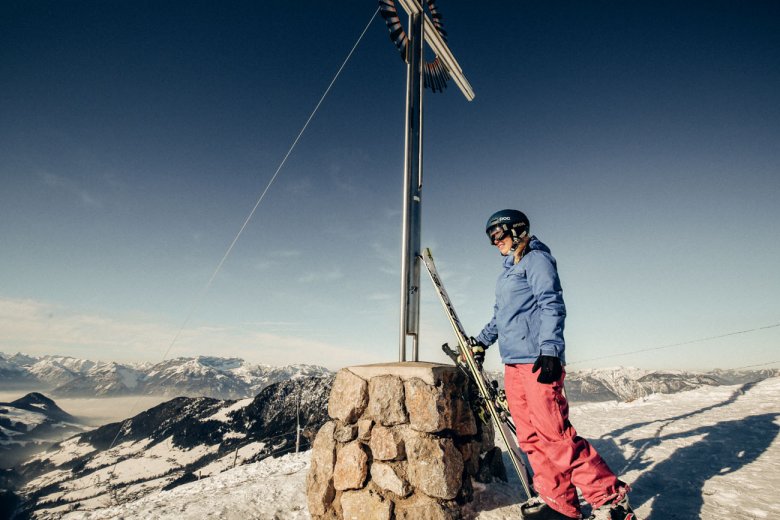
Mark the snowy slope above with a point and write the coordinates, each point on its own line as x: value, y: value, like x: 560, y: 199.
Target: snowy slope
x: 711, y: 453
x: 170, y: 444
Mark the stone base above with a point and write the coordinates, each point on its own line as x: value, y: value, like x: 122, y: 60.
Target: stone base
x: 402, y: 443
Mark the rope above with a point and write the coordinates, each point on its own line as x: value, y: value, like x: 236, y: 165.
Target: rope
x: 201, y: 295
x: 677, y: 345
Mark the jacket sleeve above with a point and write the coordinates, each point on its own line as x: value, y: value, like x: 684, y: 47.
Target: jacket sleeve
x: 543, y: 278
x: 489, y: 333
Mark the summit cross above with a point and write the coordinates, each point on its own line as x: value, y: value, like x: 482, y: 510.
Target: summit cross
x: 419, y: 74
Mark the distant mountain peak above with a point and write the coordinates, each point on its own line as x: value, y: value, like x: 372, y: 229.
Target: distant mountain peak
x: 211, y: 376
x: 37, y: 402
x: 35, y: 398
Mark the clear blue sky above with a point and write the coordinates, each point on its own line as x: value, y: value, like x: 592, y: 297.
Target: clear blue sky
x: 641, y: 138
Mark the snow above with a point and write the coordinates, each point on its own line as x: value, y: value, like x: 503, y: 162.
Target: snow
x: 223, y: 415
x: 129, y: 378
x: 155, y: 462
x: 18, y: 415
x: 232, y: 459
x: 710, y: 453
x: 67, y: 451
x: 273, y: 488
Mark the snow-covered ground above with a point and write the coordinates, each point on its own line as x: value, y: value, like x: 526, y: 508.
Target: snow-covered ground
x: 711, y: 453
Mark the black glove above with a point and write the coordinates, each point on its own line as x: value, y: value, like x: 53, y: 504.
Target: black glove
x: 477, y: 350
x: 551, y: 369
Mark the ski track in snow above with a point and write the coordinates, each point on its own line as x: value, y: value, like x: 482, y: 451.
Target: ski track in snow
x: 710, y: 453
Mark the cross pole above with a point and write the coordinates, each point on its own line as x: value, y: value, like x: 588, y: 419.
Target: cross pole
x: 421, y: 29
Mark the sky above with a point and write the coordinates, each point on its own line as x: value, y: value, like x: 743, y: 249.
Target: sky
x: 641, y: 139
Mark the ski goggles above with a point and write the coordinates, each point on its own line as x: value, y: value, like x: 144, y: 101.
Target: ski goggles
x: 497, y: 233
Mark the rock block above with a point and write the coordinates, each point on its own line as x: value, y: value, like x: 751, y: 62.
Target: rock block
x: 345, y: 432
x: 470, y: 453
x: 386, y: 400
x: 421, y: 507
x: 434, y: 408
x: 348, y: 397
x: 319, y: 482
x: 387, y: 477
x: 387, y: 443
x: 435, y: 466
x: 351, y: 467
x: 364, y: 429
x: 365, y: 504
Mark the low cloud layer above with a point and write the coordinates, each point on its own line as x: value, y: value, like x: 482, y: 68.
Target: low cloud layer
x: 42, y: 328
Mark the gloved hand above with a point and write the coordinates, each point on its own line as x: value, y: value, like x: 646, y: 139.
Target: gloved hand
x: 551, y: 369
x: 477, y: 350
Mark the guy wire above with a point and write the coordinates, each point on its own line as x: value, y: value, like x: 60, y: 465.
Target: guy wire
x: 201, y: 295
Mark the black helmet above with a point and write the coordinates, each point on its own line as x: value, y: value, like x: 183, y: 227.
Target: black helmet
x: 507, y: 221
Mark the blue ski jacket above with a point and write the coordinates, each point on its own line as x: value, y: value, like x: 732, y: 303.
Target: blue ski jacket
x: 529, y: 312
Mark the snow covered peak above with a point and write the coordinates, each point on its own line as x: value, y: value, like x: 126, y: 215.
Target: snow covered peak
x: 211, y: 376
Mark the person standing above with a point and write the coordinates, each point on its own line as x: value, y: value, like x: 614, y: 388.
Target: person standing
x: 528, y: 322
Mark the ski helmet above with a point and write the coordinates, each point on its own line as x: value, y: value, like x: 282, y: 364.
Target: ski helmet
x: 507, y: 221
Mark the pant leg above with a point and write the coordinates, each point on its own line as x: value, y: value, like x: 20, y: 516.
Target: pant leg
x: 570, y: 458
x: 553, y: 485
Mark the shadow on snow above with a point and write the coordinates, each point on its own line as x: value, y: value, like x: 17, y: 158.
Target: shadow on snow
x: 677, y: 483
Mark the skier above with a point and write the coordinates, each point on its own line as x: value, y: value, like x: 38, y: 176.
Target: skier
x: 528, y: 322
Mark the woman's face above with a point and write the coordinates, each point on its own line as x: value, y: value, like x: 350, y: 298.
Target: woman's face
x: 504, y: 244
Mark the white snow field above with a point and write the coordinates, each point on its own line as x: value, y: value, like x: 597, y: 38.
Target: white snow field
x: 711, y: 453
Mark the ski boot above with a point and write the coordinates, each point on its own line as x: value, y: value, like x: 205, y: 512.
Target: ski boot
x: 615, y: 509
x: 537, y: 509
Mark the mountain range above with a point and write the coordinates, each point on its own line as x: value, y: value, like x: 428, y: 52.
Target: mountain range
x: 208, y: 376
x: 628, y: 384
x: 181, y: 440
x: 234, y: 378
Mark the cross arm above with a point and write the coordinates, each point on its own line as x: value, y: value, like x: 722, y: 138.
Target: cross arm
x: 439, y: 46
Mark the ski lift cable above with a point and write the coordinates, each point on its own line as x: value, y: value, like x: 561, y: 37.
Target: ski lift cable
x: 700, y: 340
x: 201, y: 295
x: 759, y: 365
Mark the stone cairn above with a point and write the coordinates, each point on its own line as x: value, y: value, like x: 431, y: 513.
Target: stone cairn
x: 403, y: 443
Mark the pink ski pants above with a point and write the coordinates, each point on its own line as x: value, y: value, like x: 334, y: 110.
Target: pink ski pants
x: 561, y: 460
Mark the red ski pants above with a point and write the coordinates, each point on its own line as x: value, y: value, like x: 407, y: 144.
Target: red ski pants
x: 561, y: 460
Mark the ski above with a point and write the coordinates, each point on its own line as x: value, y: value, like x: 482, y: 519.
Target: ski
x: 491, y: 398
x: 497, y: 396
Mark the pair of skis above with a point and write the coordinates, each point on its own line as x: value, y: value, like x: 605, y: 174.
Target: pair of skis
x: 492, y: 400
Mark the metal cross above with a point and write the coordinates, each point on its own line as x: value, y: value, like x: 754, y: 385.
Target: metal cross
x: 418, y: 74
